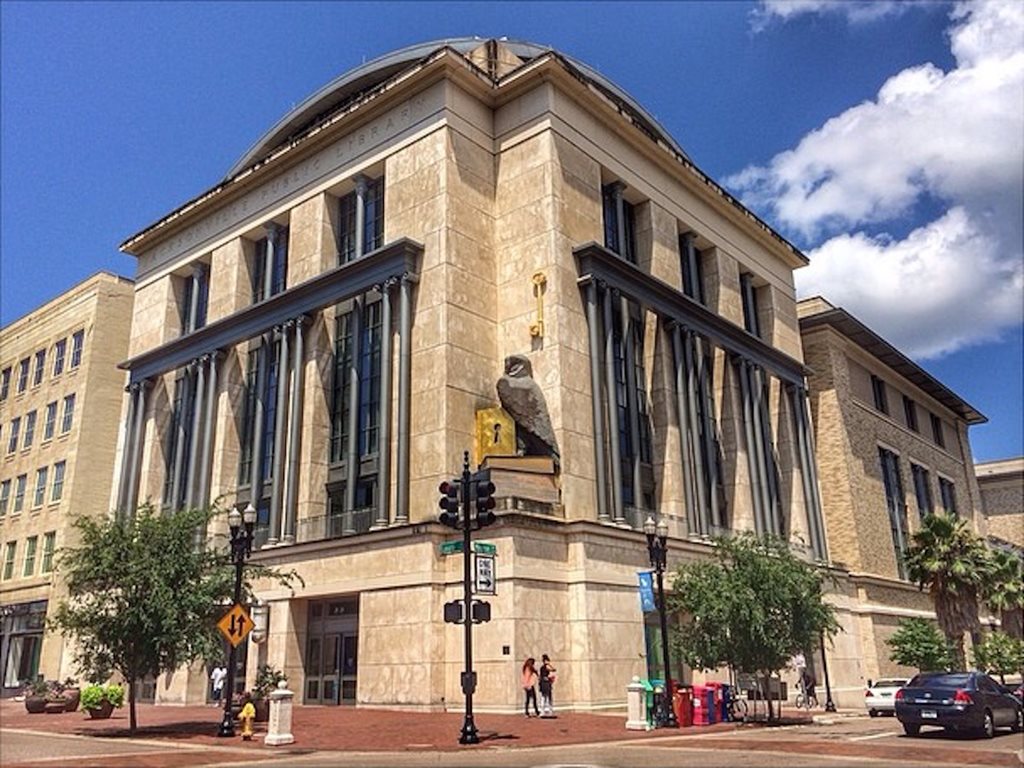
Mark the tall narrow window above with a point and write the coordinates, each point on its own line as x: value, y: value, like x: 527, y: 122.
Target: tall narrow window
x: 276, y: 261
x: 373, y: 221
x: 22, y: 375
x: 69, y: 414
x: 195, y: 299
x: 40, y: 368
x: 9, y: 559
x: 619, y: 222
x: 40, y: 494
x: 178, y: 437
x: 5, y: 496
x: 245, y: 452
x: 897, y: 509
x: 30, y: 556
x: 369, y: 382
x: 30, y: 429
x: 937, y: 434
x: 57, y: 490
x: 948, y: 494
x: 910, y: 413
x: 922, y: 490
x: 879, y: 393
x: 77, y: 344
x: 19, y: 492
x: 50, y: 422
x: 59, y: 350
x: 12, y: 440
x: 5, y: 383
x: 49, y: 545
x: 693, y: 271
x: 748, y: 294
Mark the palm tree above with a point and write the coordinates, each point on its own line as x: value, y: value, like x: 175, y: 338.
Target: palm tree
x: 952, y: 562
x: 1004, y: 591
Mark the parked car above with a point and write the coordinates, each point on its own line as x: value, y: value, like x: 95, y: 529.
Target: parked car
x: 881, y: 695
x: 962, y: 701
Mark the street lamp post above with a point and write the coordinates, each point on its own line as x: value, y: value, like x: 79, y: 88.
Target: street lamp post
x: 830, y: 706
x: 241, y: 548
x: 657, y: 549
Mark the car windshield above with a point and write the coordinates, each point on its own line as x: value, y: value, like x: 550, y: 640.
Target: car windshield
x: 890, y: 683
x: 940, y: 681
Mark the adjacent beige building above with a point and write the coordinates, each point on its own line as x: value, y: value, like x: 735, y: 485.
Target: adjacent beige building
x: 60, y: 405
x: 892, y: 447
x: 1001, y: 483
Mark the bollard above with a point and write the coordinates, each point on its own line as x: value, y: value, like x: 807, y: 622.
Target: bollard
x: 279, y: 727
x: 636, y: 705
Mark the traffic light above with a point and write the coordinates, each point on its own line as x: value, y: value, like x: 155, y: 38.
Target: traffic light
x: 484, y: 499
x: 449, y: 503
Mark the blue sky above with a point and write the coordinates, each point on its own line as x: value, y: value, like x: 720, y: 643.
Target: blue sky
x: 882, y: 138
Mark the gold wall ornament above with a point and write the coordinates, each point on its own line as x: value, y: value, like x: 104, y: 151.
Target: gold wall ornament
x: 539, y: 281
x: 495, y: 434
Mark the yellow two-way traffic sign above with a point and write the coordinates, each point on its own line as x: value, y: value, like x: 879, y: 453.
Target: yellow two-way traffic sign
x: 235, y: 624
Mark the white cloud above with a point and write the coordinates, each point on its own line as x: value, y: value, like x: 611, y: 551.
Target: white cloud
x: 856, y: 11
x: 956, y: 138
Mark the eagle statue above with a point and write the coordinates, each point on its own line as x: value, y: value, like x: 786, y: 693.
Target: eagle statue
x: 522, y: 398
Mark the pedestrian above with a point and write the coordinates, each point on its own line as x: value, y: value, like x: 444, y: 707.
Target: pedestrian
x: 217, y: 678
x: 547, y: 679
x: 247, y: 715
x: 529, y: 681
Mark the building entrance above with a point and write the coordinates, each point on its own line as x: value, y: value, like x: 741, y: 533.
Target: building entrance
x: 332, y: 652
x: 21, y: 639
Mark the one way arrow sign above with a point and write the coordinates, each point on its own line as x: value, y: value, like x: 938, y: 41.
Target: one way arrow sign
x: 486, y: 577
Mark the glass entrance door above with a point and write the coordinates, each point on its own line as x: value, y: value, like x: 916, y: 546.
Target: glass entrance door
x: 332, y: 648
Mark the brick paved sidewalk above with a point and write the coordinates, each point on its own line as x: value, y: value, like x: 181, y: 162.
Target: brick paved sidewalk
x: 349, y: 728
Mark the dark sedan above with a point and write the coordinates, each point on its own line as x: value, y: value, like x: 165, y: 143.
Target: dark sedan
x: 962, y: 701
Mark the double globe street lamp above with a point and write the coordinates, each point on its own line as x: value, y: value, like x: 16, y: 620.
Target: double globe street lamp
x: 241, y: 525
x: 657, y: 549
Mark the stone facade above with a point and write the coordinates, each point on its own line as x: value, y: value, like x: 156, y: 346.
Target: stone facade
x: 923, y: 425
x: 1002, y: 498
x: 70, y: 479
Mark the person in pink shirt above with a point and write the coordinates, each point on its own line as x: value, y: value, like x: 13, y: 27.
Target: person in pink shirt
x: 529, y: 681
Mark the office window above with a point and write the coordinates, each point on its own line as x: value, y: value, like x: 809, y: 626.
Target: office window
x: 37, y: 374
x: 373, y: 221
x: 49, y: 545
x: 12, y: 441
x: 910, y: 412
x: 19, y: 492
x: 9, y: 559
x: 878, y: 390
x: 5, y: 496
x: 77, y: 342
x: 69, y: 414
x: 30, y: 556
x: 278, y: 267
x: 57, y: 490
x: 922, y: 490
x: 40, y: 495
x: 897, y: 509
x: 619, y: 222
x: 178, y: 436
x: 50, y: 422
x: 195, y: 299
x: 937, y: 433
x: 245, y: 452
x: 948, y: 495
x: 22, y: 375
x: 751, y: 318
x: 30, y: 429
x: 58, y: 356
x: 369, y: 383
x: 5, y: 383
x: 693, y: 271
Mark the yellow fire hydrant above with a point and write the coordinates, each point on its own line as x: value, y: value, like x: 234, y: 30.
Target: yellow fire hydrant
x: 247, y: 716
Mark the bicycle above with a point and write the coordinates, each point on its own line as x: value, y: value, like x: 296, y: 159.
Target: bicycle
x: 737, y: 709
x: 803, y: 701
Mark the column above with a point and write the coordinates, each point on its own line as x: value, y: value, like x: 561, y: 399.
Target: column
x: 404, y: 385
x: 707, y: 429
x: 179, y: 441
x: 384, y: 418
x: 131, y: 500
x: 193, y: 438
x: 209, y: 421
x: 352, y: 453
x: 280, y: 415
x: 295, y: 432
x: 697, y: 447
x: 752, y: 460
x: 127, y: 449
x: 613, y: 409
x: 597, y: 413
x: 256, y: 466
x: 632, y: 404
x: 685, y: 441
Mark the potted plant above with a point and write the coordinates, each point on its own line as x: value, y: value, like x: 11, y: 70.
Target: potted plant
x: 56, y: 701
x: 35, y: 696
x: 72, y: 694
x: 267, y: 678
x: 100, y: 700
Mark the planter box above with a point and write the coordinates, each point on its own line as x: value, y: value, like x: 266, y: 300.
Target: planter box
x: 35, y: 705
x: 56, y: 706
x: 102, y: 712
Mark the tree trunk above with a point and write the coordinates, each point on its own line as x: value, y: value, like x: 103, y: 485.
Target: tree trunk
x: 131, y: 706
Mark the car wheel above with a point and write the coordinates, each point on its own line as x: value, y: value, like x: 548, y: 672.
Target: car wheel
x: 1018, y: 724
x: 872, y: 713
x: 911, y: 729
x: 988, y: 726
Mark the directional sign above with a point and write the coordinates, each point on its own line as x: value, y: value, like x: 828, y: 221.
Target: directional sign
x: 454, y: 547
x: 485, y: 575
x: 235, y: 624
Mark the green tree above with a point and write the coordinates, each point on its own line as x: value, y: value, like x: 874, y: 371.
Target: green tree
x: 752, y: 608
x: 919, y: 643
x: 1004, y: 591
x: 949, y: 560
x: 1001, y: 654
x: 142, y: 596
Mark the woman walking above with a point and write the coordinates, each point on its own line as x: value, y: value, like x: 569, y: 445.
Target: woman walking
x: 547, y: 679
x: 529, y: 681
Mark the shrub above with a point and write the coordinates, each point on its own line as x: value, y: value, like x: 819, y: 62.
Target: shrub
x: 267, y: 679
x: 94, y: 695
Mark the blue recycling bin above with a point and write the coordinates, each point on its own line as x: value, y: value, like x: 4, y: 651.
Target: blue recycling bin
x: 726, y: 701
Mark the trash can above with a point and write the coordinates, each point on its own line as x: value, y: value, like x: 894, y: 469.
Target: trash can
x: 700, y: 713
x: 684, y: 705
x: 649, y: 700
x: 710, y: 703
x: 727, y: 694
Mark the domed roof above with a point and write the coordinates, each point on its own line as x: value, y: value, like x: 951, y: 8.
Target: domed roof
x: 349, y: 85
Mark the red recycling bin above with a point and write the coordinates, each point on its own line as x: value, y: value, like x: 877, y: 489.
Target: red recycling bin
x: 700, y: 699
x: 682, y: 702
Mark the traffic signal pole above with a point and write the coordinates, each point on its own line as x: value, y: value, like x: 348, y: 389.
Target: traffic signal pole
x: 469, y: 733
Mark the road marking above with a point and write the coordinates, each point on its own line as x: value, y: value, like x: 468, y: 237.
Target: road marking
x: 873, y: 736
